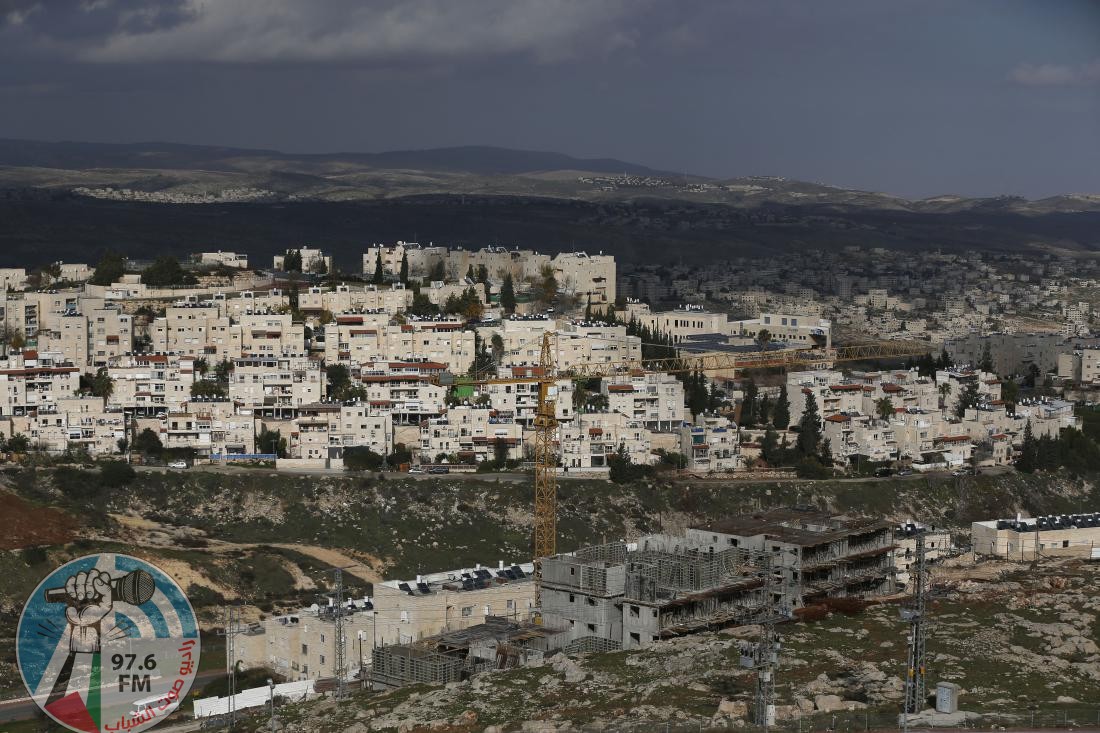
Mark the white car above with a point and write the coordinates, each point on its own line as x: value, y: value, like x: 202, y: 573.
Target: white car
x: 416, y: 469
x: 177, y: 464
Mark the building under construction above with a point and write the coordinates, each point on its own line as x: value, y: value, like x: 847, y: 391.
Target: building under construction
x: 825, y: 555
x: 498, y: 643
x: 662, y: 586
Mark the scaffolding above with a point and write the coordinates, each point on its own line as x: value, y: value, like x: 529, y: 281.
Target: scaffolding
x: 395, y: 666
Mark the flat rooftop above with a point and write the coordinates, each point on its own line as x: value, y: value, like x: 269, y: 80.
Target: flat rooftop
x: 797, y: 526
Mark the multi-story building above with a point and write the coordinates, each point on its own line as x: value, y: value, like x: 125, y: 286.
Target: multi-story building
x: 355, y: 339
x: 408, y: 390
x: 210, y: 427
x: 31, y: 381
x: 71, y: 423
x: 276, y: 385
x: 1029, y: 539
x: 710, y: 444
x: 592, y: 439
x: 654, y: 398
x: 937, y: 545
x: 591, y: 278
x: 225, y: 259
x: 313, y: 260
x: 323, y: 430
x: 302, y: 645
x: 150, y: 384
x: 470, y: 434
x: 520, y: 397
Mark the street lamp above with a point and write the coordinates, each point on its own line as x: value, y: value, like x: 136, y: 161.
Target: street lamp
x: 271, y: 698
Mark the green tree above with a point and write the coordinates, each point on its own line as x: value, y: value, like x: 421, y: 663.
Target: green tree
x: 292, y: 260
x: 339, y: 380
x: 18, y: 443
x: 781, y: 413
x: 884, y: 408
x: 748, y: 403
x: 483, y: 274
x: 809, y: 428
x: 508, y: 295
x: 271, y: 442
x: 208, y: 389
x: 1010, y: 392
x: 763, y: 410
x: 362, y: 458
x: 102, y: 384
x: 114, y: 474
x: 404, y: 275
x: 1026, y: 461
x: 379, y: 273
x: 763, y: 338
x: 148, y: 443
x: 110, y: 269
x: 165, y: 272
x: 769, y: 447
x: 968, y: 399
x: 422, y: 306
x: 985, y: 361
x: 548, y: 286
x: 438, y: 273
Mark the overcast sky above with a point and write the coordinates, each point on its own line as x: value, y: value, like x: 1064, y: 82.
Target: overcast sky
x: 973, y: 97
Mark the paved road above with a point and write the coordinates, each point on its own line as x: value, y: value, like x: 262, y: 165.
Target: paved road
x: 24, y: 708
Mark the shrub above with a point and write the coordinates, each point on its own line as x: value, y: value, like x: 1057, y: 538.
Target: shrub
x: 114, y: 474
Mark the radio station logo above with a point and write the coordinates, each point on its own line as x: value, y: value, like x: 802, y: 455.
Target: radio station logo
x: 108, y: 643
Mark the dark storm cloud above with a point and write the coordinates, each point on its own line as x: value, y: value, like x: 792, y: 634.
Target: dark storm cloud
x: 916, y: 97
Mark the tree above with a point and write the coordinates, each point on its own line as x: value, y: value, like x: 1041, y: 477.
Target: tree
x: 201, y: 366
x: 438, y: 273
x: 497, y: 345
x: 404, y: 275
x: 148, y: 443
x: 223, y: 371
x: 483, y: 361
x: 110, y: 269
x: 781, y: 413
x: 165, y: 272
x: 208, y: 389
x: 362, y: 458
x: 18, y: 443
x: 483, y: 274
x: 114, y: 474
x: 945, y: 361
x: 748, y: 403
x: 763, y: 410
x: 318, y: 265
x: 945, y: 391
x: 500, y: 451
x: 271, y: 442
x: 339, y: 380
x: 884, y: 408
x: 379, y: 274
x: 1032, y: 376
x: 292, y: 260
x: 1026, y: 461
x: 763, y: 338
x: 769, y: 447
x: 548, y: 286
x: 422, y: 306
x: 508, y: 295
x: 968, y: 399
x: 101, y: 385
x: 809, y: 428
x: 985, y: 361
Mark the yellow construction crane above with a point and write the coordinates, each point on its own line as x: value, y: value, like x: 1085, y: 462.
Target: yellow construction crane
x: 546, y: 423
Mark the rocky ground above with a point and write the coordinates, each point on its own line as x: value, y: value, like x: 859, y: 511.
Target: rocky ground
x: 1012, y: 637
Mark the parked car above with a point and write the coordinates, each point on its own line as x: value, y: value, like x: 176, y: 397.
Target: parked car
x: 177, y: 464
x: 439, y: 469
x: 905, y: 472
x: 417, y: 469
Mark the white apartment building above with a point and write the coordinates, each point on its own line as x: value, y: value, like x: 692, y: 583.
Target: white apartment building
x: 470, y: 434
x: 321, y: 431
x: 150, y: 384
x: 313, y: 260
x: 574, y: 343
x: 409, y: 390
x: 710, y: 444
x: 351, y: 339
x: 225, y: 259
x: 270, y: 333
x: 591, y: 439
x: 13, y: 278
x: 196, y: 330
x: 654, y: 398
x: 276, y: 385
x: 31, y: 381
x: 520, y: 398
x: 422, y: 260
x: 73, y: 422
x: 211, y: 427
x: 345, y: 300
x: 591, y: 278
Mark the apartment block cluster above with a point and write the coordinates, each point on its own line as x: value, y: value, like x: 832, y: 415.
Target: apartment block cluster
x: 956, y: 418
x: 266, y: 360
x: 439, y: 628
x: 888, y: 293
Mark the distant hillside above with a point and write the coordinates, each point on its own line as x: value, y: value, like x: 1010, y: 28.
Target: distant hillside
x: 479, y: 160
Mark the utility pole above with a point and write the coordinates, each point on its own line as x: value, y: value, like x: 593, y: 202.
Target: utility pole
x: 232, y: 628
x: 914, y: 613
x: 340, y: 652
x: 767, y: 646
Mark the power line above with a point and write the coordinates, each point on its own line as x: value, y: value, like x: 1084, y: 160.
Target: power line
x: 914, y: 613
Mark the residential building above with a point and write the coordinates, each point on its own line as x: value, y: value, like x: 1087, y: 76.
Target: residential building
x: 710, y: 444
x: 470, y: 435
x: 1029, y: 539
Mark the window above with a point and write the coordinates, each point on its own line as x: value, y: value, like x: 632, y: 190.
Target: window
x: 591, y: 601
x: 636, y: 638
x: 634, y: 612
x: 511, y: 604
x: 322, y: 659
x: 572, y: 598
x: 305, y: 649
x: 592, y: 628
x: 322, y: 638
x: 467, y: 610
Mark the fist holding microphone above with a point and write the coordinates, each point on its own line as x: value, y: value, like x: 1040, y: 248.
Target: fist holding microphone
x: 91, y: 596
